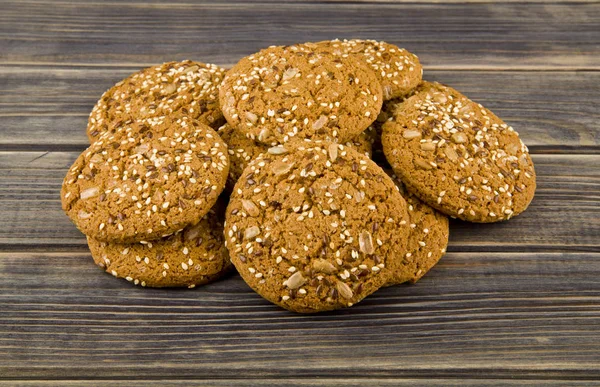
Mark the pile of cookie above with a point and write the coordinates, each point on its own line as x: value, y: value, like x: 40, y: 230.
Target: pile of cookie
x: 320, y: 171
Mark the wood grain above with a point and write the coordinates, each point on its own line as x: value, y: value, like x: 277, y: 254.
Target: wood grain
x: 494, y: 314
x: 553, y: 111
x: 565, y: 214
x: 320, y: 381
x: 466, y: 36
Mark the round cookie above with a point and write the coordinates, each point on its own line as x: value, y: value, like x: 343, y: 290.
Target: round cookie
x: 295, y: 92
x: 398, y: 70
x: 243, y: 149
x: 458, y: 157
x: 316, y: 228
x: 192, y: 257
x: 427, y: 241
x: 188, y: 87
x: 146, y: 181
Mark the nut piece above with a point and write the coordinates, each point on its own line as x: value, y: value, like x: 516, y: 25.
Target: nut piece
x: 427, y: 146
x: 344, y: 290
x: 451, y: 153
x: 251, y: 232
x: 318, y: 124
x: 96, y: 158
x: 295, y: 281
x: 423, y: 165
x: 409, y: 134
x: 289, y: 73
x: 190, y: 69
x: 142, y: 149
x: 323, y: 266
x: 459, y: 138
x: 170, y: 88
x: 89, y: 193
x: 264, y: 135
x: 251, y: 117
x: 333, y: 152
x: 387, y: 92
x: 277, y: 150
x: 84, y: 215
x: 250, y: 207
x: 365, y: 242
x: 280, y: 168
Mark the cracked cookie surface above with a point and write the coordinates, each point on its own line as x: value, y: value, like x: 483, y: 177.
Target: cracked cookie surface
x: 294, y: 92
x: 243, y: 149
x: 458, y: 157
x: 187, y: 87
x: 147, y: 180
x: 194, y: 256
x: 317, y: 227
x: 398, y: 70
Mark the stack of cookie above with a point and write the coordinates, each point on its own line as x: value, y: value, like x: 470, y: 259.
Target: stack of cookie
x: 146, y: 191
x: 312, y: 223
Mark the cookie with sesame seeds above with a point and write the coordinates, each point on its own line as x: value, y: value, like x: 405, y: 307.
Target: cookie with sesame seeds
x: 243, y: 149
x: 398, y: 70
x: 146, y: 181
x: 187, y: 87
x: 294, y: 92
x: 459, y: 157
x: 427, y: 240
x: 194, y: 256
x: 317, y: 227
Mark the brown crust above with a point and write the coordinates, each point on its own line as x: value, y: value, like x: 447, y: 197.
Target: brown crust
x: 187, y: 87
x: 192, y: 257
x: 150, y: 179
x: 317, y: 228
x: 458, y: 157
x: 398, y: 70
x: 296, y: 92
x: 427, y: 241
x: 242, y: 149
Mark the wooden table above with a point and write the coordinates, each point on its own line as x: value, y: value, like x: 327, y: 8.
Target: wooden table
x: 512, y: 303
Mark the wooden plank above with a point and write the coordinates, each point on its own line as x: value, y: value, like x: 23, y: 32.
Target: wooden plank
x: 565, y: 214
x: 320, y: 381
x: 467, y: 36
x: 495, y: 315
x: 551, y: 110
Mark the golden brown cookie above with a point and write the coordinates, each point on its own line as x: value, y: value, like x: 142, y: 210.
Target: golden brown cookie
x: 459, y: 157
x: 243, y: 149
x: 398, y: 70
x: 146, y: 181
x: 295, y: 92
x: 317, y: 227
x: 427, y: 240
x: 187, y: 87
x: 192, y: 257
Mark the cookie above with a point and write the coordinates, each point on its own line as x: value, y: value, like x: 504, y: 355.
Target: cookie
x: 188, y: 87
x: 317, y: 227
x: 458, y: 157
x: 192, y: 257
x: 398, y: 70
x: 427, y: 240
x: 295, y: 92
x: 386, y: 113
x: 150, y: 179
x: 243, y: 149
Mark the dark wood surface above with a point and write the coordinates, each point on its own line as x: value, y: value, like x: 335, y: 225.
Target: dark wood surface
x: 516, y: 303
